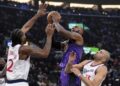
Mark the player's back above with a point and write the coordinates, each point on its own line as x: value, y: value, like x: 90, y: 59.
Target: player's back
x: 16, y: 68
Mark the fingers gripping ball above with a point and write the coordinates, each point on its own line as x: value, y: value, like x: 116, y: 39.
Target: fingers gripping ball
x: 54, y: 14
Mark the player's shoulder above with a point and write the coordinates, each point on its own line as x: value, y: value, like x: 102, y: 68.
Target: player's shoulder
x: 25, y: 49
x: 103, y: 68
x: 79, y: 36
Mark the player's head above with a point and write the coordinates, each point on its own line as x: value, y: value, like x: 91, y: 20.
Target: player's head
x: 18, y: 37
x: 102, y: 55
x: 77, y: 29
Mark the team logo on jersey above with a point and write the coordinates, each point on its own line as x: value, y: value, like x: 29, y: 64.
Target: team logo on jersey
x: 86, y: 70
x: 12, y: 55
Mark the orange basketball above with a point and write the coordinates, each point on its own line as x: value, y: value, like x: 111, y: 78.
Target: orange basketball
x: 54, y: 14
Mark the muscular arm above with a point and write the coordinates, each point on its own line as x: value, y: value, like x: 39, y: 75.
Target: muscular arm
x: 68, y: 34
x: 68, y: 67
x: 41, y: 12
x: 99, y: 77
x: 26, y: 50
x: 47, y: 46
x: 28, y: 25
x: 37, y: 52
x: 79, y: 66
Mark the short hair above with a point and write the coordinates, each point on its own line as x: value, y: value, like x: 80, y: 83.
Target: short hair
x: 107, y: 56
x: 16, y: 37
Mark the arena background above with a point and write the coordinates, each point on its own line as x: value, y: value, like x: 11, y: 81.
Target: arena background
x: 99, y: 18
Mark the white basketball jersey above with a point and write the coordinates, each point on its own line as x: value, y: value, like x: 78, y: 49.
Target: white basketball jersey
x: 89, y: 71
x: 16, y: 68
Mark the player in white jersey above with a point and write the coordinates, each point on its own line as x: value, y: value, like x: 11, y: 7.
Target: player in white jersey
x: 18, y: 60
x: 94, y: 71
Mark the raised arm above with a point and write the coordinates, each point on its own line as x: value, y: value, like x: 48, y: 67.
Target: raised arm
x: 38, y: 52
x: 66, y: 33
x: 28, y: 25
x: 99, y: 77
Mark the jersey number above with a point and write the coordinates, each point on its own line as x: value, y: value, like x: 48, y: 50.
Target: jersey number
x: 11, y: 64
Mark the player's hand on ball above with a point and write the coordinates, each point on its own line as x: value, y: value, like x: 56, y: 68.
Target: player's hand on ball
x: 72, y: 56
x: 56, y: 24
x: 50, y: 30
x: 54, y: 20
x: 42, y: 10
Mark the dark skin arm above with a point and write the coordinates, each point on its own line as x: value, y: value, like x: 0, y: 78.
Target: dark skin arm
x: 38, y: 52
x: 70, y: 65
x: 28, y: 25
x: 72, y: 35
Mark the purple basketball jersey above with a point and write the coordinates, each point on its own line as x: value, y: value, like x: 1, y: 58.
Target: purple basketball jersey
x: 75, y: 48
x: 65, y: 79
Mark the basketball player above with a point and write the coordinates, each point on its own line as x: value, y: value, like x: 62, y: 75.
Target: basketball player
x: 18, y: 60
x: 75, y: 44
x: 94, y: 71
x: 28, y: 25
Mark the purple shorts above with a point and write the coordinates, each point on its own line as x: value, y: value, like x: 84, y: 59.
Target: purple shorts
x: 68, y: 79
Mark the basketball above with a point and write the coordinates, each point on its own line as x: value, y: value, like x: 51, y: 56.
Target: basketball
x: 54, y: 14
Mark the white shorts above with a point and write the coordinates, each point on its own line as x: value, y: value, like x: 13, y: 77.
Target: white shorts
x: 17, y: 84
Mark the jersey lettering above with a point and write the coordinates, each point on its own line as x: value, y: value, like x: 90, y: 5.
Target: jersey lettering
x: 9, y: 69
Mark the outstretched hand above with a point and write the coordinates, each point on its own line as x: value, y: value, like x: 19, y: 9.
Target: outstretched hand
x: 42, y: 10
x: 54, y: 20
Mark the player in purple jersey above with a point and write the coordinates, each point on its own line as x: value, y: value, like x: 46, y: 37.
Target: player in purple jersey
x: 75, y: 44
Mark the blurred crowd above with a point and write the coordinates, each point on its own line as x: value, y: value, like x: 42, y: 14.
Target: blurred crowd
x: 103, y: 33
